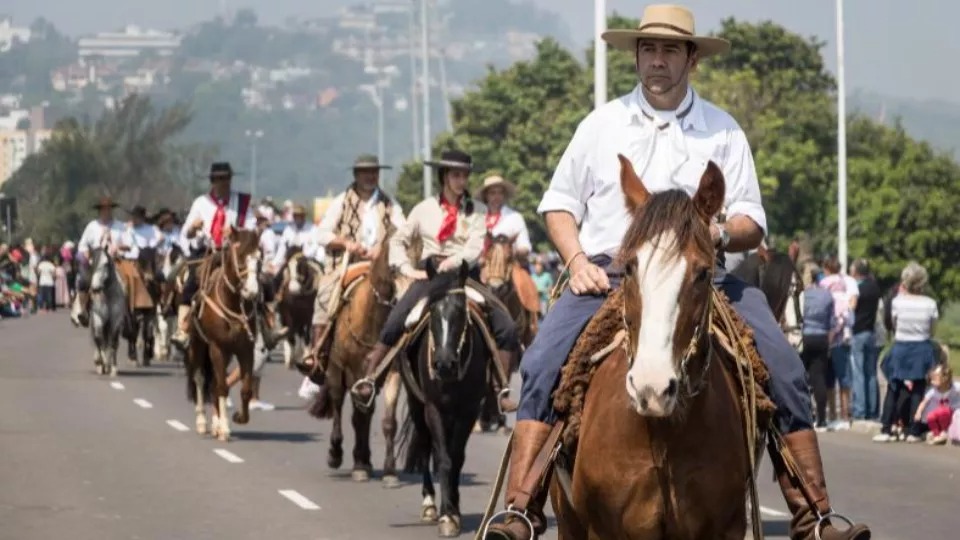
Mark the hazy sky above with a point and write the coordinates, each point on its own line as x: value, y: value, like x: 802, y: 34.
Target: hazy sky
x: 893, y: 46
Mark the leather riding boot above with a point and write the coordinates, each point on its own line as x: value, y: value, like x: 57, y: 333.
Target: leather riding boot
x: 315, y: 369
x: 364, y: 392
x: 181, y: 339
x: 806, y: 453
x: 80, y: 305
x: 273, y: 331
x: 506, y: 359
x: 529, y: 436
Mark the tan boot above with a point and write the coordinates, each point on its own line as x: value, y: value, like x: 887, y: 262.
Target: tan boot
x: 529, y: 436
x: 507, y: 359
x: 365, y: 390
x: 181, y: 339
x: 805, y: 451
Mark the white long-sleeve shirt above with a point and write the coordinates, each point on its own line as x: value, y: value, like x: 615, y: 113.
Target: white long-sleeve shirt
x: 204, y: 208
x: 139, y: 237
x: 511, y: 224
x: 304, y: 237
x: 97, y: 232
x: 370, y: 227
x: 268, y: 245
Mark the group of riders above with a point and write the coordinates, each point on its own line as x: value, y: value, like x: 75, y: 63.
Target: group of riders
x: 668, y: 130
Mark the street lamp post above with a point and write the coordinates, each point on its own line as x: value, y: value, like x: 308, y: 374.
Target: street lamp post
x: 599, y: 53
x: 253, y: 135
x: 841, y: 144
x: 377, y: 97
x: 425, y: 54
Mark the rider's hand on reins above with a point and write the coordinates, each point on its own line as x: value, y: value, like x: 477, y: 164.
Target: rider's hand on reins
x: 588, y: 278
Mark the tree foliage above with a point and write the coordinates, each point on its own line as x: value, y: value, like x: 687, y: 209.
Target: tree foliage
x: 129, y: 153
x: 901, y: 193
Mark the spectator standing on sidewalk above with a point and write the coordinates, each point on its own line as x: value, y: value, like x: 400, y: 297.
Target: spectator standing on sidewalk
x: 864, y: 343
x: 840, y: 359
x: 818, y: 324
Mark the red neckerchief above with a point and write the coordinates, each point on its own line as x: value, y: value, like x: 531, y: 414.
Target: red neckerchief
x: 219, y: 220
x: 449, y: 224
x: 491, y: 221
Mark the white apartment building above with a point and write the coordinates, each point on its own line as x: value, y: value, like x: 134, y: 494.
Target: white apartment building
x: 133, y: 41
x: 10, y: 33
x: 16, y: 145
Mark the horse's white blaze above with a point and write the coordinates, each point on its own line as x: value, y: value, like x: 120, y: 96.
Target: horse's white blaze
x: 250, y: 285
x: 660, y: 274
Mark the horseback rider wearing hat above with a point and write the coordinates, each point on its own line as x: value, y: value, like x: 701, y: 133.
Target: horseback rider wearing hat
x: 102, y: 230
x: 166, y: 223
x: 501, y: 219
x: 208, y: 225
x: 140, y: 234
x: 299, y: 233
x: 670, y: 133
x: 452, y: 230
x: 353, y: 227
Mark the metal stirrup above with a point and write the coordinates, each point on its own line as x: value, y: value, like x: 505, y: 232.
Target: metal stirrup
x: 822, y: 520
x: 366, y: 381
x: 506, y: 513
x: 503, y: 393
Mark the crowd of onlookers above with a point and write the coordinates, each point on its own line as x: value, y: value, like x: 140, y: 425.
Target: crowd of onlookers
x: 852, y: 329
x: 35, y: 279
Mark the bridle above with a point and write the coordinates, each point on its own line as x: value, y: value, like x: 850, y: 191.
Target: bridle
x: 431, y: 344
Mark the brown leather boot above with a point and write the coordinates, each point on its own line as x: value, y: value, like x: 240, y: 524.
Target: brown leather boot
x: 274, y: 332
x: 365, y: 390
x: 506, y: 360
x: 181, y: 339
x: 805, y: 451
x: 312, y: 365
x: 529, y: 436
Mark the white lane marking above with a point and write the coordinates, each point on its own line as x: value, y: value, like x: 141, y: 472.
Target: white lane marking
x: 143, y: 403
x: 772, y: 512
x: 177, y: 425
x: 298, y: 499
x: 116, y: 385
x: 228, y: 455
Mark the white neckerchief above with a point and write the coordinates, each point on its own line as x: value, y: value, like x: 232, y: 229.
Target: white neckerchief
x: 670, y: 150
x: 369, y: 225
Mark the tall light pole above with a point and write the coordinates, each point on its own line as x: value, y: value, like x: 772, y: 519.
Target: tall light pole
x: 841, y: 145
x: 377, y: 97
x: 415, y: 107
x: 425, y: 54
x: 599, y: 53
x: 254, y: 136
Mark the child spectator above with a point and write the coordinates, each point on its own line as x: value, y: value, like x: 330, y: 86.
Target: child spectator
x: 939, y: 404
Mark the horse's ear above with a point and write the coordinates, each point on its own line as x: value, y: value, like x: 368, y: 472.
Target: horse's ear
x: 464, y: 273
x: 709, y: 197
x: 634, y: 192
x: 431, y: 269
x: 764, y: 254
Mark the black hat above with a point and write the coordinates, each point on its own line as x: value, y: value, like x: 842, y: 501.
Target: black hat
x: 221, y: 169
x: 105, y: 202
x: 453, y: 159
x: 139, y: 211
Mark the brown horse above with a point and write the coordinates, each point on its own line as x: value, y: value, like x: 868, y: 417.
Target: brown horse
x: 366, y: 303
x: 661, y: 450
x: 295, y: 307
x: 223, y: 326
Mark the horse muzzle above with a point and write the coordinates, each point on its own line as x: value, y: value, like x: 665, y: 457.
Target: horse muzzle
x: 655, y: 396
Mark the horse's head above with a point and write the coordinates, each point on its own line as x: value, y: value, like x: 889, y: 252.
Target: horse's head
x: 668, y: 260
x: 242, y: 256
x: 296, y: 268
x: 499, y: 261
x: 449, y: 321
x: 147, y: 263
x: 101, y: 268
x: 171, y: 261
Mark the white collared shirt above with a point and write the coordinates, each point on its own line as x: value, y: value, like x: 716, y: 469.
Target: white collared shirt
x: 511, y: 223
x: 169, y: 239
x: 327, y: 230
x: 96, y: 232
x: 305, y: 237
x: 586, y: 182
x: 139, y: 237
x: 205, y: 208
x: 268, y: 244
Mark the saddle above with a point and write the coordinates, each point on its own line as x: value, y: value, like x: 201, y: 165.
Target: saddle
x: 526, y: 289
x: 354, y: 272
x: 138, y: 296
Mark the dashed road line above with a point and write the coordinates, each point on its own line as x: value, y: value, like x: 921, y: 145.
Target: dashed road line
x: 298, y: 499
x: 177, y: 425
x: 773, y: 513
x: 116, y: 385
x: 229, y: 456
x: 143, y: 403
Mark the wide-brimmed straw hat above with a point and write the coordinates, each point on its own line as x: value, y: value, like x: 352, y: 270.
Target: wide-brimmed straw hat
x: 491, y: 182
x: 105, y: 202
x: 453, y: 159
x: 299, y: 210
x: 367, y: 162
x: 666, y: 21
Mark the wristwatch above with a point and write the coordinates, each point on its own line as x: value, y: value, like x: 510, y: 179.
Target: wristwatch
x: 724, y: 236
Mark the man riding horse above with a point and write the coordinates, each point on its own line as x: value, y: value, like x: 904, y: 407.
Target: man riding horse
x: 452, y: 230
x: 142, y: 240
x: 299, y: 234
x: 352, y: 230
x: 208, y: 224
x: 103, y: 229
x: 670, y: 133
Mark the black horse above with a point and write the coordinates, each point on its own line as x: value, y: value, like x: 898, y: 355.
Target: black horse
x: 775, y: 273
x: 444, y: 371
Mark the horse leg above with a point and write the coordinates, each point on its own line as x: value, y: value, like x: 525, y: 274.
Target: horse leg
x: 245, y: 363
x: 335, y: 453
x: 199, y: 382
x: 288, y: 346
x: 160, y: 336
x: 148, y: 321
x: 218, y: 359
x: 449, y: 522
x: 391, y: 394
x: 135, y: 323
x: 362, y: 467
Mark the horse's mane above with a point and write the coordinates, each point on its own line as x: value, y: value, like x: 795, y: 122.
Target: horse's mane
x: 671, y: 210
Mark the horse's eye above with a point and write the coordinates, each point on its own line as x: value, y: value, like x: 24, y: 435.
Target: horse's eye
x: 629, y: 270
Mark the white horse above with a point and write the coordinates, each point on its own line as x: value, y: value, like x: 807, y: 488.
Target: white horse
x: 108, y: 308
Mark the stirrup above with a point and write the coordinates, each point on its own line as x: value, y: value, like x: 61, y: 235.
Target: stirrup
x: 506, y: 513
x: 366, y: 381
x: 504, y: 393
x: 822, y: 521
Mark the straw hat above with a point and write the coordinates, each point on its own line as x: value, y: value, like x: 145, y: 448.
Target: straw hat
x: 299, y: 210
x: 665, y: 21
x: 368, y: 161
x: 494, y: 181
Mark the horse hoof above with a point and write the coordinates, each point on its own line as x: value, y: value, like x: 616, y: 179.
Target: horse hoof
x: 449, y: 527
x: 239, y: 418
x: 113, y: 371
x: 223, y: 436
x: 201, y: 427
x: 391, y: 481
x: 428, y: 514
x: 334, y: 462
x: 360, y: 475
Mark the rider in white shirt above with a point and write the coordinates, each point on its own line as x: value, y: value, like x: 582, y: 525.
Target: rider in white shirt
x: 140, y: 234
x: 299, y: 233
x: 268, y: 242
x: 101, y: 232
x: 502, y: 219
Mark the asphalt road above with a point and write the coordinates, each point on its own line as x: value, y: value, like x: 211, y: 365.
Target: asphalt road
x: 87, y: 457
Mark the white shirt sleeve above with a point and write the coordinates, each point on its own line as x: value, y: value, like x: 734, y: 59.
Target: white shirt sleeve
x: 572, y: 182
x: 129, y: 240
x: 523, y: 239
x: 325, y: 231
x: 281, y: 255
x: 250, y: 220
x: 87, y: 240
x: 192, y: 215
x: 743, y: 187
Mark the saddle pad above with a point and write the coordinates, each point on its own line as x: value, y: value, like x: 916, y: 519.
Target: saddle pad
x: 354, y: 271
x: 138, y: 297
x: 526, y: 289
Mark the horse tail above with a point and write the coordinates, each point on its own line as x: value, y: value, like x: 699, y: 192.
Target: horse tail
x: 414, y: 442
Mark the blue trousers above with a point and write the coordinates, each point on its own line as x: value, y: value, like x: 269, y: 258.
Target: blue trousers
x: 542, y: 362
x: 866, y: 391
